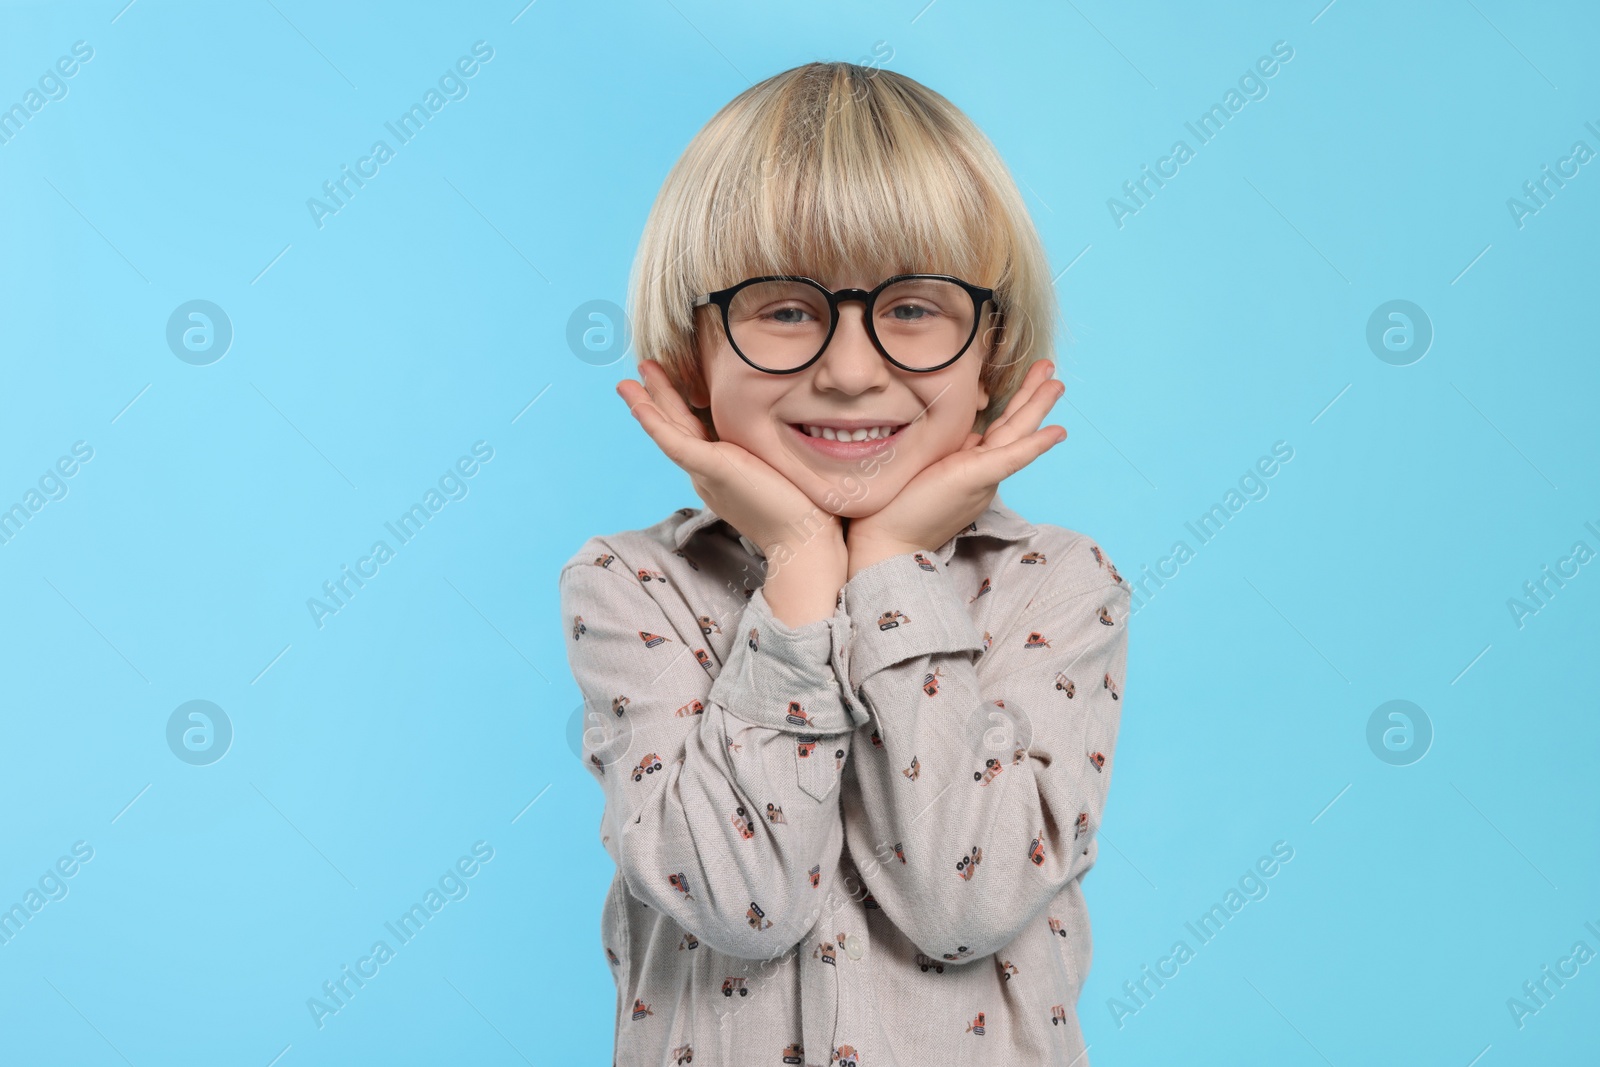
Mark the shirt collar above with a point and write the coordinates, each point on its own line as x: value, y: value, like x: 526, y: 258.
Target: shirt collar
x: 997, y: 521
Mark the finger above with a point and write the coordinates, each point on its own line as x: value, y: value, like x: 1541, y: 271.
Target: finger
x: 1038, y: 373
x: 990, y: 464
x: 639, y: 398
x: 634, y: 394
x: 1006, y: 460
x: 693, y: 454
x: 1026, y: 419
x: 667, y: 399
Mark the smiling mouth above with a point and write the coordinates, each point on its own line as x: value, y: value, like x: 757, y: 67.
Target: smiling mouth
x: 826, y: 433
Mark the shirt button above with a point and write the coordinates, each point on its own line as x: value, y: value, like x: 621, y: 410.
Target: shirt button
x: 852, y: 946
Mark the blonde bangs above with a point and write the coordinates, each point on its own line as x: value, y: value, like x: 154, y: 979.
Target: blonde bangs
x: 847, y: 175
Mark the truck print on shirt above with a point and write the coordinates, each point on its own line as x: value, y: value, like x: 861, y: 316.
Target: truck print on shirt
x: 967, y: 865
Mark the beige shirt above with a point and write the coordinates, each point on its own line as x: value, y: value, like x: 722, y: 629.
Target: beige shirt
x: 862, y: 840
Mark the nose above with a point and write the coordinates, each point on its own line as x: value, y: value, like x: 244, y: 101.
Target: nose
x: 851, y: 363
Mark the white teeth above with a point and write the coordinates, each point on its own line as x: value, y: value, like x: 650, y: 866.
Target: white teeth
x: 829, y: 434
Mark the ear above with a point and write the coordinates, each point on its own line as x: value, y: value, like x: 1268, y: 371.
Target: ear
x: 993, y: 340
x: 695, y: 388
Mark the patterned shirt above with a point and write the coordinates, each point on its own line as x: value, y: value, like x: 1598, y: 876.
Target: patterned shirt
x: 861, y: 840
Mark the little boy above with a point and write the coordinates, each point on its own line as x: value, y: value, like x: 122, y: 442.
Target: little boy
x: 854, y: 718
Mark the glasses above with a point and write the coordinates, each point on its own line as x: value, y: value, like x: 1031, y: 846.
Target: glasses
x: 781, y: 323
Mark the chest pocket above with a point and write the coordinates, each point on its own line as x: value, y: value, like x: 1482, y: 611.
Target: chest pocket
x: 817, y: 762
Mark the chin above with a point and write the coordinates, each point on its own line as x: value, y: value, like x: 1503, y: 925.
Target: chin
x: 846, y: 495
x: 853, y: 509
x: 856, y: 499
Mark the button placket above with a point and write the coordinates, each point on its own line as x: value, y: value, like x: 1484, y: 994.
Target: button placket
x: 840, y: 661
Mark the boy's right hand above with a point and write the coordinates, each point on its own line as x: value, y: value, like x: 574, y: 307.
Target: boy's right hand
x: 759, y: 502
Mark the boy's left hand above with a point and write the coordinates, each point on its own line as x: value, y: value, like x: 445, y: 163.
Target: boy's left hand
x: 946, y: 496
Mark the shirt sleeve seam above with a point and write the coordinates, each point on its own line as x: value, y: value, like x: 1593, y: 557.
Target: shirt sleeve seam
x: 1097, y: 583
x: 1078, y: 592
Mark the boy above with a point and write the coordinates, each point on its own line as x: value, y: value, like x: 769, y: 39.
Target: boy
x: 853, y: 719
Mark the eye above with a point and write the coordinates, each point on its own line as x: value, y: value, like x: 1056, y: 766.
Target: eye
x: 912, y: 312
x: 787, y: 316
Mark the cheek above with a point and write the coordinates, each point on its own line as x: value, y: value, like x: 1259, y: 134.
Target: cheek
x: 951, y: 434
x: 745, y: 419
x: 948, y: 424
x: 742, y: 411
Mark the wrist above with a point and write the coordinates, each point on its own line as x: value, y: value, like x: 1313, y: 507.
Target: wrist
x: 863, y: 553
x: 817, y: 535
x: 803, y: 586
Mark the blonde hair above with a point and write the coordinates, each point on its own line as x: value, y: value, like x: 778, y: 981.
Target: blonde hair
x: 832, y: 167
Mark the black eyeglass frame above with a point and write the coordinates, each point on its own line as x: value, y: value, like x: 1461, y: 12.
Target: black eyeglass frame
x: 722, y: 298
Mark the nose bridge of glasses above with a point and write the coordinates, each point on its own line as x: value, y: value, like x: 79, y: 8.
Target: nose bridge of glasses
x: 841, y: 297
x: 859, y: 331
x: 863, y: 296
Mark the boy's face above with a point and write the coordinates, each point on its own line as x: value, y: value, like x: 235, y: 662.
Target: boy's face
x: 850, y: 384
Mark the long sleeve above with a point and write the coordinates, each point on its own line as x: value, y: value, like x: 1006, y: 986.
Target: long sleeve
x: 721, y: 793
x: 984, y: 786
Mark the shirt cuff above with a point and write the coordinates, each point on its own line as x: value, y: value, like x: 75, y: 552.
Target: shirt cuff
x: 904, y: 607
x: 788, y: 678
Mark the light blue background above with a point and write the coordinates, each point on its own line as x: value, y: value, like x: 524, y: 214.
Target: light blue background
x: 431, y: 712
